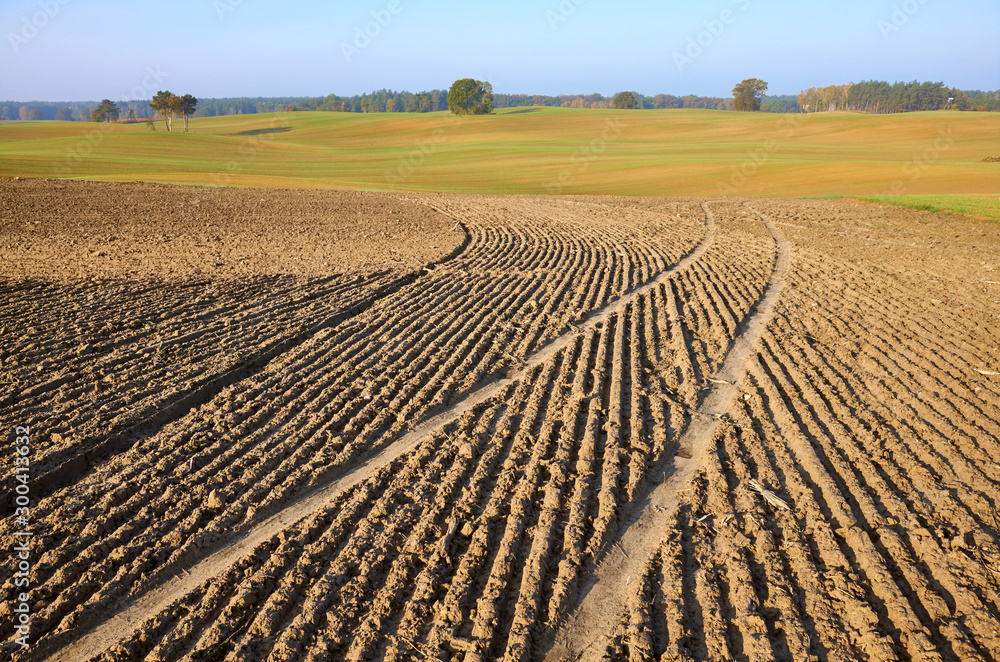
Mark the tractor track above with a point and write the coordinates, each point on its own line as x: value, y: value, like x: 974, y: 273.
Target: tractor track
x: 608, y: 588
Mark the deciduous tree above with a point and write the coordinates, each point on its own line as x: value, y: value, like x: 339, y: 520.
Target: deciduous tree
x: 470, y: 97
x: 107, y: 111
x: 748, y: 94
x: 625, y: 101
x: 164, y: 104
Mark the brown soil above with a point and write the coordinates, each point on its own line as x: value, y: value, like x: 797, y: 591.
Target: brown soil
x: 441, y: 466
x: 65, y: 231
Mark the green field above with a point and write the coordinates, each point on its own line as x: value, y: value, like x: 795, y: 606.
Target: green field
x: 539, y: 150
x: 983, y: 206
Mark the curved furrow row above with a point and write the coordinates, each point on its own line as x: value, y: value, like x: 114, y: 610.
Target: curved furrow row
x: 231, y: 462
x: 912, y: 291
x: 883, y: 439
x: 869, y: 429
x: 446, y: 472
x: 139, y: 376
x: 519, y: 488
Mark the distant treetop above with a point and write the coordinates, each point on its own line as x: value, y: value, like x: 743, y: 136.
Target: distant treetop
x: 748, y: 94
x: 625, y: 101
x: 470, y: 97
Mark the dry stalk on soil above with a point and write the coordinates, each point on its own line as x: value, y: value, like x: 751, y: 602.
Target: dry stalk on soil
x: 768, y: 495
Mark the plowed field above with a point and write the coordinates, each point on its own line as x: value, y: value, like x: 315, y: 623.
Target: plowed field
x: 545, y: 428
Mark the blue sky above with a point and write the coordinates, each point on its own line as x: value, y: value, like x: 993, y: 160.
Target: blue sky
x: 66, y: 50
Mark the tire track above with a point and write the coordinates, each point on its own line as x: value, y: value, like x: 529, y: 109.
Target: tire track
x: 606, y: 590
x: 217, y: 559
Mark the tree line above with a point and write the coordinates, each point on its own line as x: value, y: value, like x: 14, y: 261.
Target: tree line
x: 867, y: 96
x: 379, y: 101
x: 880, y: 97
x: 62, y: 111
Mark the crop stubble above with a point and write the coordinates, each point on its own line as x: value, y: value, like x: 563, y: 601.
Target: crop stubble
x: 861, y: 406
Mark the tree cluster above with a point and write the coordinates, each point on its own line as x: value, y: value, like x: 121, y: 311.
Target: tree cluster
x: 984, y: 101
x: 818, y: 99
x: 880, y: 97
x: 599, y: 101
x: 779, y: 103
x: 168, y: 105
x: 380, y: 101
x: 28, y: 113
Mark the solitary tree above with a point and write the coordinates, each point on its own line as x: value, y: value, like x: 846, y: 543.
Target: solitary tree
x: 470, y: 97
x: 625, y: 101
x: 107, y: 111
x: 748, y: 94
x: 184, y: 106
x: 164, y: 104
x: 64, y: 115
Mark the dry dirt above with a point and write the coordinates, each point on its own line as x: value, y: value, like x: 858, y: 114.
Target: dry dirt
x: 544, y: 445
x: 65, y: 231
